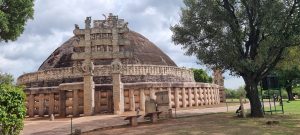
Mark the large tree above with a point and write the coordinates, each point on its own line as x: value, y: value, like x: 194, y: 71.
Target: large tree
x: 246, y: 37
x: 13, y: 16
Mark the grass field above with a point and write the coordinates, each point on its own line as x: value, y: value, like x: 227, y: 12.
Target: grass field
x: 293, y: 107
x: 219, y: 124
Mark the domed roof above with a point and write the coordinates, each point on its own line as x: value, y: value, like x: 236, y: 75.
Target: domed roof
x: 143, y: 52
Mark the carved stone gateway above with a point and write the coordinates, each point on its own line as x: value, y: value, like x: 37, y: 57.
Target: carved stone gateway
x: 118, y: 91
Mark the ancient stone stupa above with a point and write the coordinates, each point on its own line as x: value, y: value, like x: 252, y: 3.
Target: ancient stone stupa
x: 108, y: 68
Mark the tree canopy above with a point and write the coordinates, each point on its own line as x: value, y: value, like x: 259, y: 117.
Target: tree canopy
x: 246, y: 37
x: 13, y: 16
x: 288, y: 70
x: 201, y: 76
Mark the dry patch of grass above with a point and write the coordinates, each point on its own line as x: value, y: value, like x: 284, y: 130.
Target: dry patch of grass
x: 214, y: 124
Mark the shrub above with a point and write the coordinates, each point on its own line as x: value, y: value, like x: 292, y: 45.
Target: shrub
x: 12, y: 109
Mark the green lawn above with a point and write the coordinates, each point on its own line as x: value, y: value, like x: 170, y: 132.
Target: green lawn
x: 293, y: 107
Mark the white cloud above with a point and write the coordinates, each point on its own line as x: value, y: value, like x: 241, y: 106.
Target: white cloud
x: 54, y: 21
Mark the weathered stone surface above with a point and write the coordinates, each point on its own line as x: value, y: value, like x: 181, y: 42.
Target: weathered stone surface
x: 150, y: 106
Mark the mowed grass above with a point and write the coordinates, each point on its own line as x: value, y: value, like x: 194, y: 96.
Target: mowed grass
x: 219, y: 124
x: 291, y: 107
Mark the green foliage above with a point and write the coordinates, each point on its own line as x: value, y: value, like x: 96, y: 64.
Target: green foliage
x: 201, y: 76
x: 235, y: 93
x: 12, y: 107
x: 242, y: 36
x: 13, y: 16
x: 6, y: 78
x: 288, y: 69
x: 246, y: 37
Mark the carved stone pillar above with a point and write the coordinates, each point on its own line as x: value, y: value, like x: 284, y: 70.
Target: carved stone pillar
x: 51, y: 103
x: 131, y: 100
x: 201, y: 96
x: 196, y: 96
x: 97, y: 101
x: 88, y: 95
x: 118, y: 90
x: 183, y: 93
x: 41, y: 104
x: 209, y: 96
x: 118, y: 93
x: 190, y: 97
x: 170, y: 99
x: 62, y: 103
x: 205, y: 95
x: 142, y: 99
x: 75, y: 103
x: 176, y: 97
x: 31, y: 105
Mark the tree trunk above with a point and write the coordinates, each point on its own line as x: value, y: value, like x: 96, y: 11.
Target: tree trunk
x: 252, y: 95
x: 289, y: 91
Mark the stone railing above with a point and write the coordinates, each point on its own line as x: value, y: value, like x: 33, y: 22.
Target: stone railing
x: 72, y: 72
x: 67, y: 99
x: 181, y: 95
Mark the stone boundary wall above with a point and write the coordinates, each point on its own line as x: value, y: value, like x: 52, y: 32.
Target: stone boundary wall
x: 105, y: 70
x: 67, y: 99
x: 181, y: 95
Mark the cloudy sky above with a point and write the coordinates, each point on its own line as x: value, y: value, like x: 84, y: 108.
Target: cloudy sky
x: 54, y: 22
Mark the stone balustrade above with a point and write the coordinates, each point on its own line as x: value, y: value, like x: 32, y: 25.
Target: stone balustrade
x: 72, y: 72
x: 67, y: 99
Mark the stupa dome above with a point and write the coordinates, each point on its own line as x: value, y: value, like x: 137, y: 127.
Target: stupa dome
x: 143, y: 52
x: 94, y: 48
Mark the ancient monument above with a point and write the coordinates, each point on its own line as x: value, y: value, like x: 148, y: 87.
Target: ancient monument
x: 107, y: 68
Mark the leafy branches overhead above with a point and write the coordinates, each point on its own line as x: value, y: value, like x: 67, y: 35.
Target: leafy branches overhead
x: 13, y: 16
x: 239, y: 35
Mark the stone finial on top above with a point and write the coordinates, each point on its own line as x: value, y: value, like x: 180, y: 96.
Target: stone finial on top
x: 76, y: 26
x: 111, y: 21
x: 88, y: 21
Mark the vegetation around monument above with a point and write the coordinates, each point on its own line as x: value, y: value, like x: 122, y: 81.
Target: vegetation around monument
x: 201, y: 76
x: 245, y: 37
x: 12, y: 106
x: 288, y: 71
x: 13, y: 16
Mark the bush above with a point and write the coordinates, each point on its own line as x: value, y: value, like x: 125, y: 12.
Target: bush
x: 12, y: 109
x: 201, y: 76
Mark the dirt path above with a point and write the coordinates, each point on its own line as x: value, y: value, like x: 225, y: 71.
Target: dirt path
x: 62, y: 126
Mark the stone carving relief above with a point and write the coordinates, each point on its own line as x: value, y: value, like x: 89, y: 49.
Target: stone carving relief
x: 88, y: 68
x: 116, y: 66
